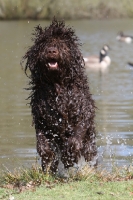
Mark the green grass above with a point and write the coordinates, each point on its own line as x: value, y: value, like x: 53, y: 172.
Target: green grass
x: 77, y: 190
x: 88, y: 184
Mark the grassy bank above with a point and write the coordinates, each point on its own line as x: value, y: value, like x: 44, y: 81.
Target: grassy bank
x: 86, y: 184
x: 84, y: 190
x: 70, y: 9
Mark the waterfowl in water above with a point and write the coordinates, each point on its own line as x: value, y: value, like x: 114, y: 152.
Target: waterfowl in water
x: 130, y: 63
x: 94, y: 58
x: 124, y: 38
x: 98, y: 62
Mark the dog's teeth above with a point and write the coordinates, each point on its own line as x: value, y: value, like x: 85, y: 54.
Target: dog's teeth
x: 53, y: 65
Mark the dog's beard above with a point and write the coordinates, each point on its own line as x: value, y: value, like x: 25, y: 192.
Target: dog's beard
x: 53, y: 72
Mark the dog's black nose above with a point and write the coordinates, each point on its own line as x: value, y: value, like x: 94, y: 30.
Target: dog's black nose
x: 52, y: 50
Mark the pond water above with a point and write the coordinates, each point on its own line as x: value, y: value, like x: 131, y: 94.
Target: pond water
x: 112, y: 91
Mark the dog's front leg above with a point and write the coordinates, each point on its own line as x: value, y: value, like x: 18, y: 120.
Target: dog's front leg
x: 72, y: 150
x: 44, y: 150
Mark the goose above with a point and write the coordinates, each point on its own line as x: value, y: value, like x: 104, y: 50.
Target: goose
x: 95, y: 58
x: 100, y: 62
x: 130, y: 63
x: 124, y: 38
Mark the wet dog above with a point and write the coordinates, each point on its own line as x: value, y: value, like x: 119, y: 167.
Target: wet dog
x: 62, y: 107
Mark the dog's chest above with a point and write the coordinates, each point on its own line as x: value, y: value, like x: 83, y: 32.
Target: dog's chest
x: 63, y: 102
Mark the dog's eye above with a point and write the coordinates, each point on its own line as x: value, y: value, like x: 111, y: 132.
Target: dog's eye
x: 66, y: 49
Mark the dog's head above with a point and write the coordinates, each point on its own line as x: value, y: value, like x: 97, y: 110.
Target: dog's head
x: 55, y: 50
x: 55, y: 54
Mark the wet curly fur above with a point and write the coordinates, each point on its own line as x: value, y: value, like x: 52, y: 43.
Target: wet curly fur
x: 62, y: 107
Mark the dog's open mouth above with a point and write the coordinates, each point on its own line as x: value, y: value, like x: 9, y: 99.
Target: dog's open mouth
x: 53, y: 64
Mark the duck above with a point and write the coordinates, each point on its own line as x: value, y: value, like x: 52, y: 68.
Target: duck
x: 124, y: 38
x: 100, y: 62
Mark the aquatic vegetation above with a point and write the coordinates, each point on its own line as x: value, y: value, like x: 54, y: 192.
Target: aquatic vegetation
x: 22, y: 178
x: 23, y: 9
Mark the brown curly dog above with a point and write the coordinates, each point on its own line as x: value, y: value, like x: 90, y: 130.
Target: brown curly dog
x: 62, y: 107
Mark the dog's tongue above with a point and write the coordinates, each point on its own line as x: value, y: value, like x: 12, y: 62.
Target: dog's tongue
x: 53, y: 65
